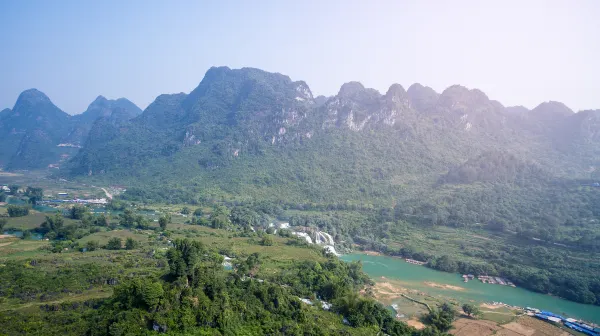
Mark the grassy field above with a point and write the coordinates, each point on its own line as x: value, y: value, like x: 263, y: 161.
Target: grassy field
x: 31, y: 221
x: 500, y: 315
x: 15, y: 247
x: 104, y: 237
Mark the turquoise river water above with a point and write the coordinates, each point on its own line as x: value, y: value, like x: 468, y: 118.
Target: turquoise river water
x: 414, y: 277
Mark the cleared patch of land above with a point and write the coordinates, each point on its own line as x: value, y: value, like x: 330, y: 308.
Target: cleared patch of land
x: 523, y: 326
x: 507, y: 332
x: 17, y: 247
x: 469, y: 327
x: 443, y: 286
x: 519, y: 328
x: 541, y: 328
x: 415, y: 324
x: 490, y: 306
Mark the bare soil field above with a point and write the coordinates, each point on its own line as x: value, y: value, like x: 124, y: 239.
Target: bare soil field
x: 386, y: 292
x: 443, y: 286
x: 507, y: 332
x: 524, y: 326
x: 416, y: 324
x: 519, y: 328
x: 541, y: 328
x: 469, y: 327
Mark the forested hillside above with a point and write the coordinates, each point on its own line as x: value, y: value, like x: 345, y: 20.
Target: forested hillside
x: 37, y: 134
x: 250, y: 133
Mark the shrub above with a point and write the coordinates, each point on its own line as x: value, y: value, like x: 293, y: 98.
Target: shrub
x: 18, y: 210
x: 114, y: 243
x: 92, y: 245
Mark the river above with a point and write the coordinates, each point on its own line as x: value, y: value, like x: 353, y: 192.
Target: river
x: 414, y: 276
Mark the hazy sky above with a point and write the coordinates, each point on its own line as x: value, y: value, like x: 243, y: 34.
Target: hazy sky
x: 518, y: 52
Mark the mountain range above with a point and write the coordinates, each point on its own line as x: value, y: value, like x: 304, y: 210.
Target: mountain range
x: 257, y: 134
x: 37, y: 134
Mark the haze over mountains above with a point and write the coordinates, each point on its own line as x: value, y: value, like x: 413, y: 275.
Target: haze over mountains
x: 37, y: 134
x: 251, y: 131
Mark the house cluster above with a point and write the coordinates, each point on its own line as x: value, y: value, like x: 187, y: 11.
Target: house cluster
x: 580, y: 326
x: 415, y: 262
x: 101, y: 201
x: 495, y: 280
x: 467, y: 277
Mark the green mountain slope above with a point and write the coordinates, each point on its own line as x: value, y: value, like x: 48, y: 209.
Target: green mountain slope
x: 81, y: 124
x: 247, y: 133
x: 37, y: 134
x: 30, y: 131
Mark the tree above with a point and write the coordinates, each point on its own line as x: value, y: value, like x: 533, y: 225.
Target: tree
x: 18, y: 210
x: 441, y: 318
x: 127, y: 218
x: 284, y: 233
x: 142, y: 222
x: 184, y: 257
x: 53, y: 223
x: 198, y: 212
x: 497, y: 225
x: 267, y: 241
x: 101, y: 220
x: 77, y: 211
x: 471, y: 310
x: 114, y: 243
x: 3, y: 222
x: 445, y: 263
x: 185, y: 211
x: 249, y: 266
x: 163, y: 221
x: 92, y: 245
x: 151, y: 293
x: 14, y: 189
x: 35, y: 194
x: 219, y: 218
x: 131, y: 244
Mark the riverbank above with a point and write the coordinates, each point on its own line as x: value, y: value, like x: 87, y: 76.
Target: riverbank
x: 496, y: 318
x: 402, y: 277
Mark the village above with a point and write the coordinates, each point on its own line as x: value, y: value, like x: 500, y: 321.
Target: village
x: 580, y: 326
x: 489, y: 280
